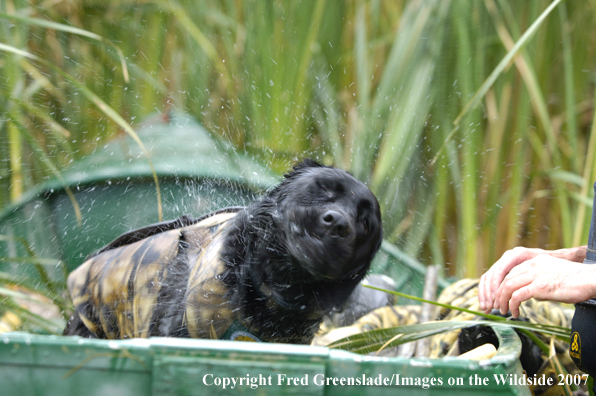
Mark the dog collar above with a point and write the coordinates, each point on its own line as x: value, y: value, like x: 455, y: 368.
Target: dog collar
x: 238, y: 332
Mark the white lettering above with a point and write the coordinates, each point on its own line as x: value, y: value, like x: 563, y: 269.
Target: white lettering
x: 319, y: 379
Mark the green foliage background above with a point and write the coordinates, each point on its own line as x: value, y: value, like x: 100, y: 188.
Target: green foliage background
x: 379, y: 88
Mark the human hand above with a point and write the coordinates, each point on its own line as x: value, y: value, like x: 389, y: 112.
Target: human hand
x: 492, y: 279
x: 546, y: 277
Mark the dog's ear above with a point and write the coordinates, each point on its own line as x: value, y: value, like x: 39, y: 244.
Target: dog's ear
x: 302, y: 166
x: 276, y: 193
x: 308, y: 163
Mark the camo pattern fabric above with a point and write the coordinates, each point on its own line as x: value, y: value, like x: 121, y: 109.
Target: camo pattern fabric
x: 463, y: 294
x: 117, y: 292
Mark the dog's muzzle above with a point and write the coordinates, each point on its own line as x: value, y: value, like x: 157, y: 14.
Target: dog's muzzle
x: 336, y: 223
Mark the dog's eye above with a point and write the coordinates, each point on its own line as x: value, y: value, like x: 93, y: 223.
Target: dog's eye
x: 325, y: 188
x: 365, y: 225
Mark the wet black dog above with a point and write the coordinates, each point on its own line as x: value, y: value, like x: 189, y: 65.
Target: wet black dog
x: 269, y: 271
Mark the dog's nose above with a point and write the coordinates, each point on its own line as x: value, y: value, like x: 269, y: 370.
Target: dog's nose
x: 336, y: 223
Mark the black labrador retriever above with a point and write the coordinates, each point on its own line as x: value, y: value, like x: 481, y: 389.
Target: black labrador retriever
x: 267, y: 272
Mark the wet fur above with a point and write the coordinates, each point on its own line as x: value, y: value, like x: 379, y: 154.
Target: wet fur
x: 258, y: 252
x: 285, y: 267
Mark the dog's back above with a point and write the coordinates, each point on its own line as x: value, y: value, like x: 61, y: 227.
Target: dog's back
x: 155, y: 286
x: 270, y: 271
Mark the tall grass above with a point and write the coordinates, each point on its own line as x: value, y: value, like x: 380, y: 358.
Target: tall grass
x: 370, y: 86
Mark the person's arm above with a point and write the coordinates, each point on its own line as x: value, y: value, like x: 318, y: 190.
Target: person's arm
x: 522, y: 273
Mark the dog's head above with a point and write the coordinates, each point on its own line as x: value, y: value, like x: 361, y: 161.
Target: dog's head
x: 331, y: 222
x: 298, y: 252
